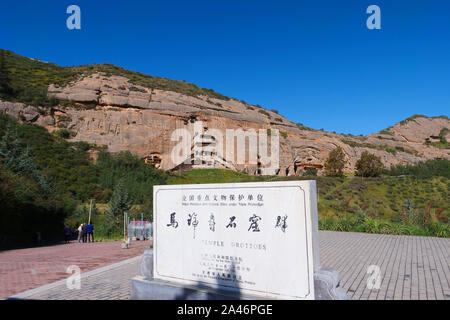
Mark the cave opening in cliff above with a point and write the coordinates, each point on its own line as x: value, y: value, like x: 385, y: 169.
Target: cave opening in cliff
x: 154, y: 160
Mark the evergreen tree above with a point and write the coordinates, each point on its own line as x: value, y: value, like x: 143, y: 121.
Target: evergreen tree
x: 119, y: 203
x: 20, y: 160
x: 10, y: 149
x: 335, y: 162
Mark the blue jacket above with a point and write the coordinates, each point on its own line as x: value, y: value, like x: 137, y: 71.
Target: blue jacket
x: 89, y: 228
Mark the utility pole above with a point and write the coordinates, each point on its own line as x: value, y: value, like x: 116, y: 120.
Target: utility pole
x: 90, y: 211
x: 125, y: 219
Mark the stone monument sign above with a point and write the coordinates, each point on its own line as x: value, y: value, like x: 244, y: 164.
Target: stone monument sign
x: 253, y: 239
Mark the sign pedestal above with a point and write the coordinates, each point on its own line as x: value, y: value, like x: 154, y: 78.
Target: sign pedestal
x: 151, y: 289
x: 144, y: 287
x: 256, y: 240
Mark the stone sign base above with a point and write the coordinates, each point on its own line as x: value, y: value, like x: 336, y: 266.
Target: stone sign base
x: 151, y: 289
x: 326, y: 285
x: 144, y: 287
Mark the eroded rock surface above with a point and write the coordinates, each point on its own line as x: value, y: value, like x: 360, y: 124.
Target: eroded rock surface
x: 112, y: 111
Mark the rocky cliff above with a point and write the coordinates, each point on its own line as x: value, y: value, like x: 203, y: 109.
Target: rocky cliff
x: 112, y: 110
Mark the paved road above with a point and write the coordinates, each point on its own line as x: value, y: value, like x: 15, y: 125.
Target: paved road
x: 411, y: 268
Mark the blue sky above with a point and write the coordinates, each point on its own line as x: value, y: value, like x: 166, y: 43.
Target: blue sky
x: 313, y: 61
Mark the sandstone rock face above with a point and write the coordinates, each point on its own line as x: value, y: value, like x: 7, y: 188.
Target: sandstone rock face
x: 112, y: 111
x: 417, y: 130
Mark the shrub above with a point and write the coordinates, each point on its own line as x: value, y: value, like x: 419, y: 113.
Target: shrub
x: 310, y: 172
x: 133, y: 88
x: 386, y: 131
x: 82, y: 145
x: 392, y: 150
x: 303, y: 127
x: 63, y: 133
x: 427, y: 169
x: 264, y: 112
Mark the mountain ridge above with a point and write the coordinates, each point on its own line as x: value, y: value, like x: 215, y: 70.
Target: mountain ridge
x: 127, y: 110
x: 109, y: 69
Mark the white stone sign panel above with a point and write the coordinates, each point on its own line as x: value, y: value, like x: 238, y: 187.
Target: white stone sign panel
x: 258, y: 239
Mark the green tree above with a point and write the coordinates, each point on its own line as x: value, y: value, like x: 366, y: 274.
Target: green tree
x: 369, y: 165
x: 137, y: 177
x: 335, y: 162
x: 10, y: 148
x: 119, y: 203
x: 20, y: 159
x: 310, y: 172
x: 81, y: 215
x: 5, y: 86
x: 428, y: 169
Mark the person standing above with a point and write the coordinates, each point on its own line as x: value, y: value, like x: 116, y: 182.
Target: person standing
x: 80, y: 232
x: 84, y: 232
x: 37, y: 237
x: 67, y: 233
x: 90, y: 232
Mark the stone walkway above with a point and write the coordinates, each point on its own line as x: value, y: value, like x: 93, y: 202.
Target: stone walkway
x: 411, y: 268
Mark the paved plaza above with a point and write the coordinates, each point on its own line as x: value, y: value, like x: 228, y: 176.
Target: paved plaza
x: 411, y: 268
x: 25, y: 269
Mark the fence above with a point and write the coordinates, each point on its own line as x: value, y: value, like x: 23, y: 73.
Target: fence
x: 140, y: 230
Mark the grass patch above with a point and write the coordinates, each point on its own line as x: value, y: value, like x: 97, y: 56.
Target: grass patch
x: 386, y: 131
x: 302, y: 127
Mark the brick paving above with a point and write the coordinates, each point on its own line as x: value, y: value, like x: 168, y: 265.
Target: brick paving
x: 411, y: 268
x: 114, y: 284
x: 25, y: 269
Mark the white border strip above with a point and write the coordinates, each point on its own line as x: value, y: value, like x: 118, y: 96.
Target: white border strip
x: 58, y: 283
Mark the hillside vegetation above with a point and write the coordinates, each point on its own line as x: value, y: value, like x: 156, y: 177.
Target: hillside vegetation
x: 29, y: 79
x: 415, y: 203
x: 46, y: 181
